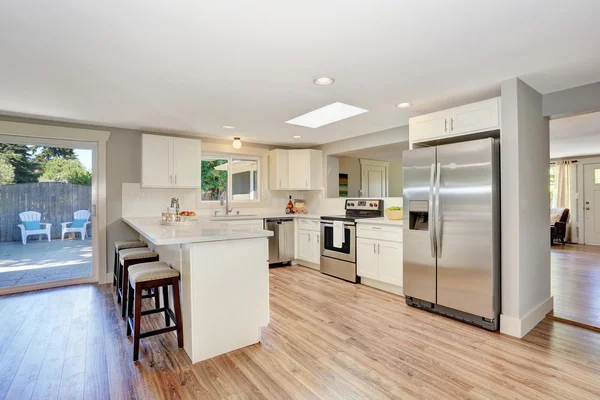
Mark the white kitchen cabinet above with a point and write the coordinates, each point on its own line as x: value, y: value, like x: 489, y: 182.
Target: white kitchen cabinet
x: 367, y: 259
x: 170, y: 162
x: 481, y: 116
x: 428, y: 126
x: 295, y: 169
x: 279, y: 172
x: 390, y: 262
x: 379, y: 256
x: 476, y: 117
x: 157, y: 163
x: 309, y: 240
x: 187, y: 163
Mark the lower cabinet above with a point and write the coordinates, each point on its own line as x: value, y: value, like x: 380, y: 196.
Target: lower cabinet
x: 379, y: 259
x: 309, y: 246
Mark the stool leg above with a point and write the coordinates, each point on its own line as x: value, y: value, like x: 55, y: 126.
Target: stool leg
x: 156, y: 298
x: 137, y: 312
x: 177, y: 307
x: 115, y: 268
x: 125, y: 280
x: 166, y: 303
x: 130, y: 297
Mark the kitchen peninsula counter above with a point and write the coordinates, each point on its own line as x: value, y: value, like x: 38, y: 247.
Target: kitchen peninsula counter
x: 224, y: 280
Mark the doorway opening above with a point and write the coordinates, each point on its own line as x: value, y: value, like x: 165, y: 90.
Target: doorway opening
x: 575, y: 219
x: 47, y: 215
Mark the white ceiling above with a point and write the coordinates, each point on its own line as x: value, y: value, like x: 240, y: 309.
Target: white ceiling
x: 575, y: 136
x: 192, y: 66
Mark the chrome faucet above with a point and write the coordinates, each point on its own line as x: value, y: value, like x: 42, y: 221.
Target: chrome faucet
x: 227, y: 209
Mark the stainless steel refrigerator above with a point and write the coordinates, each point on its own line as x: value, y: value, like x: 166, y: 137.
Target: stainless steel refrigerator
x: 452, y: 230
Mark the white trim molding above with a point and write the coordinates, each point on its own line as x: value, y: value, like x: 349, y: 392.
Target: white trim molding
x: 519, y: 327
x: 20, y: 132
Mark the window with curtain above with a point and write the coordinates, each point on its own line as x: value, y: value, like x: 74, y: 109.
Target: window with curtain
x: 562, y: 187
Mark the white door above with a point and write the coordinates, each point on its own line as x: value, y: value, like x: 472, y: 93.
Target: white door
x: 429, y: 126
x: 315, y: 239
x: 390, y: 262
x: 157, y: 168
x: 305, y: 249
x: 591, y: 203
x: 475, y: 117
x: 299, y: 164
x: 187, y: 160
x: 366, y: 258
x: 374, y: 182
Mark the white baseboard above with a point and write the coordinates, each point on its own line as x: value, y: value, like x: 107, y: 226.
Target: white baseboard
x: 387, y: 287
x: 108, y: 278
x: 307, y: 264
x: 519, y: 327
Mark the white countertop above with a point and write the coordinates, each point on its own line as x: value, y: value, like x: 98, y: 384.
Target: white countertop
x: 380, y: 221
x: 235, y: 217
x: 205, y: 231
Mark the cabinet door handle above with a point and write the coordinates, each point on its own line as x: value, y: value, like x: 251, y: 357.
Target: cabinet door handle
x: 307, y: 183
x: 375, y: 227
x: 280, y: 183
x: 176, y: 179
x: 309, y: 238
x: 318, y: 239
x: 378, y: 249
x: 170, y: 178
x: 451, y: 124
x: 374, y: 248
x: 445, y: 125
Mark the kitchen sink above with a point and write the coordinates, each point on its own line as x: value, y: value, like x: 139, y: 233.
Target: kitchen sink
x: 232, y: 216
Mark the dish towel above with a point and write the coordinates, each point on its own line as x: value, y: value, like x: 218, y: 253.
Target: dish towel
x: 338, y: 234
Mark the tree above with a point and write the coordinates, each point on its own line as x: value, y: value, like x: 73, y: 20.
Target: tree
x: 43, y: 154
x: 19, y: 157
x: 7, y: 171
x: 61, y: 170
x: 214, y: 182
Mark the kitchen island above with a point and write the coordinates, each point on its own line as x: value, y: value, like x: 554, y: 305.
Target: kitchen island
x: 224, y: 280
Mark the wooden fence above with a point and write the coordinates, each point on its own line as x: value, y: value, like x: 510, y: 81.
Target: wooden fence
x: 56, y: 201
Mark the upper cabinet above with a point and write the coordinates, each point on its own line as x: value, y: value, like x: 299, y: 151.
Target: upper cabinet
x: 295, y: 169
x: 170, y: 162
x: 471, y: 118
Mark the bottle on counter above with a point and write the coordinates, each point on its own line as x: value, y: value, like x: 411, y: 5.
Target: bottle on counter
x: 289, y: 209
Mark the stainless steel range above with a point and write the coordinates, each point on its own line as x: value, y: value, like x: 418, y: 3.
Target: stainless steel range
x: 338, y: 237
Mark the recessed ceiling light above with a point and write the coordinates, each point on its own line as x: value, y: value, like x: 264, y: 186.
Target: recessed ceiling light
x: 403, y: 105
x: 228, y: 126
x: 326, y: 115
x: 323, y: 80
x: 297, y: 137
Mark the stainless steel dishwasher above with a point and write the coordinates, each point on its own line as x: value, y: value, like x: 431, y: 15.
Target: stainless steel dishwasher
x: 281, y: 244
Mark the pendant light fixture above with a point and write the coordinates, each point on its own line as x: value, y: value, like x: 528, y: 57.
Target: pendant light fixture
x: 237, y: 143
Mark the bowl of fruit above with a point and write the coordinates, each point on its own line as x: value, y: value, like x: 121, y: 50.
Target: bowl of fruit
x: 394, y: 213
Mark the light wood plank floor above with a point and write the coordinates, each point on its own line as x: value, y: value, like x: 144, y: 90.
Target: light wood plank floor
x: 576, y: 283
x: 327, y: 340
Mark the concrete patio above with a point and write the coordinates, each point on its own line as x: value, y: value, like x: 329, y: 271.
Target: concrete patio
x: 40, y: 261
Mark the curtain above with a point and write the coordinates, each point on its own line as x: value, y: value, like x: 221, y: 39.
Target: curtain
x: 563, y: 189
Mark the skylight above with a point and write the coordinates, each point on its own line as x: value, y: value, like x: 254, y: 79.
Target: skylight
x: 327, y: 115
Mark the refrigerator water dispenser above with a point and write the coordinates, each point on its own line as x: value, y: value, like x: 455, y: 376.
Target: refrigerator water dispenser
x: 418, y: 215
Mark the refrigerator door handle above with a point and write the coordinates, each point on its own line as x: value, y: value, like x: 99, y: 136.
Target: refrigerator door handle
x: 430, y: 217
x: 438, y: 216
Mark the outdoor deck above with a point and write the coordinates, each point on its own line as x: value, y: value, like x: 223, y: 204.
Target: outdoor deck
x: 40, y: 261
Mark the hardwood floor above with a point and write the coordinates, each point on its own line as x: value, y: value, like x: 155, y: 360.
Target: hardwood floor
x: 576, y: 284
x: 327, y: 339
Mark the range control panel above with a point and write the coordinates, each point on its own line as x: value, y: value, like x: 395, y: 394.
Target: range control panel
x: 364, y: 204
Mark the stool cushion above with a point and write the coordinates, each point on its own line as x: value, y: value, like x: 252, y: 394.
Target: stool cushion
x: 128, y: 244
x: 151, y: 271
x: 135, y: 254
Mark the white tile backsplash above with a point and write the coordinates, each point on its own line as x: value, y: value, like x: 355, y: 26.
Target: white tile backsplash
x: 143, y: 202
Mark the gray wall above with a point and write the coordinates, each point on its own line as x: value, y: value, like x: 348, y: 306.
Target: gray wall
x: 525, y: 203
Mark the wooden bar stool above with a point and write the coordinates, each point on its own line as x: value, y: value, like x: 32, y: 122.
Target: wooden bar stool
x: 122, y: 245
x: 127, y: 258
x: 153, y: 276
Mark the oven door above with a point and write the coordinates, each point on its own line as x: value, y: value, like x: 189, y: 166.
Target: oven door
x: 348, y: 250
